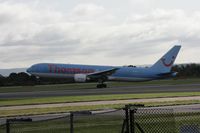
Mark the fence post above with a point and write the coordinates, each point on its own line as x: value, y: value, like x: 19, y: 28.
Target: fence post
x: 71, y: 122
x: 132, y: 111
x: 132, y: 120
x: 9, y: 121
x: 127, y: 118
x: 7, y: 126
x: 132, y: 126
x: 123, y: 126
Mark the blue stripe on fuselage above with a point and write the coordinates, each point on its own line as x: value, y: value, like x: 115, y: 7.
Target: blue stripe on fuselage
x: 74, y: 69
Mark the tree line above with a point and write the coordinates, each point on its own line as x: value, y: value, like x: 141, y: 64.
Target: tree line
x: 22, y: 78
x: 187, y: 70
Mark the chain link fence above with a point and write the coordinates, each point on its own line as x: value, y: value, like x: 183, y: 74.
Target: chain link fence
x: 101, y: 122
x: 56, y: 125
x: 3, y: 128
x: 188, y: 122
x: 131, y: 119
x: 154, y: 121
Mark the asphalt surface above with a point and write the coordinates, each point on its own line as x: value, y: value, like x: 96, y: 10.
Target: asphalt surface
x: 104, y: 91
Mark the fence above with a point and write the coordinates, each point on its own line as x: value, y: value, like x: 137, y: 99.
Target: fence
x: 131, y: 119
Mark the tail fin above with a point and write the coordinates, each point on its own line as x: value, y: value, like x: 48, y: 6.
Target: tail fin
x: 164, y: 64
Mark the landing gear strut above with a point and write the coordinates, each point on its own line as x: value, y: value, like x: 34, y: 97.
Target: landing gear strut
x: 101, y: 86
x: 101, y: 83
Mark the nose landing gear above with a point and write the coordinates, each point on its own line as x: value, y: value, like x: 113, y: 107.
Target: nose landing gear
x: 102, y: 85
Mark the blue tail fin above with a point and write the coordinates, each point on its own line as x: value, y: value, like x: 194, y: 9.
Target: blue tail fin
x: 164, y: 64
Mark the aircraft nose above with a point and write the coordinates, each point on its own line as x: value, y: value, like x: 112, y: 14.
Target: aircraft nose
x: 28, y: 70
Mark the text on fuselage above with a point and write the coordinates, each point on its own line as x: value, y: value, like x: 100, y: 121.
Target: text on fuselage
x: 57, y: 69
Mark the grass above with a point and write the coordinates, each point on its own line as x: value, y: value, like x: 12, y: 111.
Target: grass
x: 92, y: 85
x: 65, y: 99
x: 165, y: 122
x: 97, y: 124
x: 88, y: 124
x: 112, y: 123
x: 34, y: 111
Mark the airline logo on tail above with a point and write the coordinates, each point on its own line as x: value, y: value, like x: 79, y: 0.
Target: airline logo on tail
x: 168, y: 64
x: 164, y: 64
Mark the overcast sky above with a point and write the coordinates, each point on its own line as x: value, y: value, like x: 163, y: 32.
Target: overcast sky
x: 102, y: 32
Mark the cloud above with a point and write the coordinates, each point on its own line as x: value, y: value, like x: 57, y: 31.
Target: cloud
x: 89, y: 32
x: 85, y: 10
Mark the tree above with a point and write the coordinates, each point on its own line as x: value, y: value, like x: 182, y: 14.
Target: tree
x: 187, y: 70
x: 13, y: 77
x: 23, y: 77
x: 2, y: 80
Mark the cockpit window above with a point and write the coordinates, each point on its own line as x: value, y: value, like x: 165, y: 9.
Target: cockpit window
x: 131, y: 66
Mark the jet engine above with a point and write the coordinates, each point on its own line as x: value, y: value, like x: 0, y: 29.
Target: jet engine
x: 80, y: 78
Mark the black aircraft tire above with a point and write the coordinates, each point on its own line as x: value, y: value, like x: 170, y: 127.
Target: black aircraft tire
x: 104, y: 85
x: 101, y: 86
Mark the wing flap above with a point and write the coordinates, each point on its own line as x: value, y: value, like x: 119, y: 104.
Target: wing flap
x: 103, y: 73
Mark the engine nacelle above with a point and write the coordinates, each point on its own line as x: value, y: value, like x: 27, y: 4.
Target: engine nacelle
x: 80, y: 78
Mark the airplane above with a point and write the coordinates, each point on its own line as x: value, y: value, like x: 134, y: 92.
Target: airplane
x: 94, y: 73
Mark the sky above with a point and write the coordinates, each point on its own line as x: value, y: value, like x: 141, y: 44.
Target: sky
x: 100, y: 32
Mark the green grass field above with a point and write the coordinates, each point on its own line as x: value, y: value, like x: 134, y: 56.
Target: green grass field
x: 166, y: 122
x: 68, y: 99
x: 82, y: 124
x: 110, y: 123
x: 93, y: 85
x: 47, y: 110
x: 64, y: 99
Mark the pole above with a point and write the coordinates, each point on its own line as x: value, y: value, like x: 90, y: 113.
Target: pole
x: 127, y: 118
x: 131, y: 121
x: 7, y: 126
x: 71, y: 122
x: 133, y: 117
x: 123, y: 126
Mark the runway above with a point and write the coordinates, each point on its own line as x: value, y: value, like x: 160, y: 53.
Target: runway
x: 105, y: 91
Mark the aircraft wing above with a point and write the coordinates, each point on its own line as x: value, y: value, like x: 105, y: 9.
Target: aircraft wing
x: 102, y: 73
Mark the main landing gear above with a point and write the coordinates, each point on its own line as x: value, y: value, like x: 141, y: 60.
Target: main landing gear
x: 102, y: 86
x: 101, y: 83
